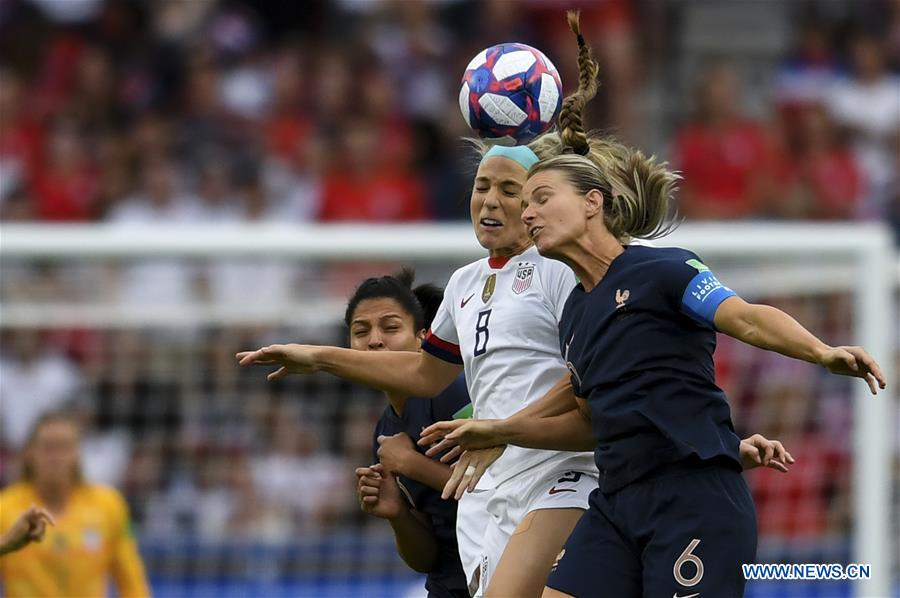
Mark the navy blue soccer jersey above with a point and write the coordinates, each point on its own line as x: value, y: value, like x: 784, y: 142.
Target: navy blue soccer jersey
x: 640, y: 349
x: 447, y: 579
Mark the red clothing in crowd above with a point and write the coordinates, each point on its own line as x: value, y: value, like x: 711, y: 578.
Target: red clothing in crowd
x: 381, y: 197
x: 833, y: 181
x: 285, y: 134
x: 64, y: 198
x: 719, y: 166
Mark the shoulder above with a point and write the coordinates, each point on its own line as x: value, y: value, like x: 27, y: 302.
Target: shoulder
x: 464, y: 274
x: 663, y: 263
x: 106, y: 497
x: 469, y: 270
x: 649, y: 255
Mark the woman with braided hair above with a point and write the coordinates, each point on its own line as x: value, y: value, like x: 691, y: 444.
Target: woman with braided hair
x: 672, y: 515
x: 499, y: 322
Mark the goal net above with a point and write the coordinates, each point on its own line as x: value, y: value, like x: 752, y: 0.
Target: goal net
x: 237, y: 485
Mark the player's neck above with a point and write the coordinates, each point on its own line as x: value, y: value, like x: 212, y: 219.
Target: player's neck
x: 590, y: 256
x: 397, y: 401
x: 507, y: 252
x: 54, y: 495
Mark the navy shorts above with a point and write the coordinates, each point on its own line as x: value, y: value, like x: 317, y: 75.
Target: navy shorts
x: 683, y: 531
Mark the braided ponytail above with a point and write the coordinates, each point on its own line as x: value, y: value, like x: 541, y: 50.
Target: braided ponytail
x: 571, y: 125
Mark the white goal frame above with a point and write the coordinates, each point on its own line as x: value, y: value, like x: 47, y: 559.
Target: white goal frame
x: 872, y: 276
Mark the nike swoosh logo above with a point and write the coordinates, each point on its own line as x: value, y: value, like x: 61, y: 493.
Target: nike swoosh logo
x: 463, y: 302
x: 675, y: 595
x: 556, y: 490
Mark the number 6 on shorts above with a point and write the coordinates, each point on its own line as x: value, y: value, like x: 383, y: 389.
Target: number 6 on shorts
x: 688, y: 557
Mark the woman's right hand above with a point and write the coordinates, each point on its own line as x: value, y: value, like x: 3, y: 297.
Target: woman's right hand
x: 28, y: 527
x: 378, y: 492
x: 293, y: 359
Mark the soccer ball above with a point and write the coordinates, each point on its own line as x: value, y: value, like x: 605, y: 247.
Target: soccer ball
x: 510, y: 94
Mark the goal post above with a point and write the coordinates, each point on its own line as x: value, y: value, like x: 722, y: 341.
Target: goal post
x: 754, y: 258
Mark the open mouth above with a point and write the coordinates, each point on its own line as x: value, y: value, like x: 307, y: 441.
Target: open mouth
x: 490, y: 223
x: 534, y: 231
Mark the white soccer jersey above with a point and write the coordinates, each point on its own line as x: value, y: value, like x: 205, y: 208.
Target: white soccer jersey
x: 499, y: 319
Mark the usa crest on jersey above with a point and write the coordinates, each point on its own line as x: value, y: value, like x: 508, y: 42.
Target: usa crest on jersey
x: 522, y: 281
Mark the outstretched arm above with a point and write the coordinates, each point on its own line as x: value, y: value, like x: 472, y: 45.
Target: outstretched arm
x: 405, y: 372
x: 769, y: 328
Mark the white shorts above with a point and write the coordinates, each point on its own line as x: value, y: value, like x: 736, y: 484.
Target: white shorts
x: 508, y: 504
x: 472, y: 519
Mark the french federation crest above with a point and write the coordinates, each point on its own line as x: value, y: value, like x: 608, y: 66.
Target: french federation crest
x: 488, y: 291
x: 523, y: 278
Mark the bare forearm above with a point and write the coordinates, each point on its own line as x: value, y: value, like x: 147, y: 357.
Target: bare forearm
x: 391, y: 371
x: 8, y: 544
x: 433, y: 474
x: 558, y: 400
x: 769, y: 328
x: 415, y: 542
x: 569, y: 431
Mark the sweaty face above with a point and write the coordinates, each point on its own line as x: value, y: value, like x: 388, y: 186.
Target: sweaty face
x: 497, y: 207
x: 54, y: 452
x: 554, y: 214
x: 383, y: 325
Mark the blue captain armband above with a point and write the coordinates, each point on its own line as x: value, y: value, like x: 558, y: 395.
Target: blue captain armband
x: 702, y: 297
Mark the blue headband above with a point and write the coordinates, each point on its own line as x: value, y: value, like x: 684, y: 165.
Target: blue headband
x: 520, y: 154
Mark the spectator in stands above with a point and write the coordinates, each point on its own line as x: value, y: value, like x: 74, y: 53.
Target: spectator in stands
x: 215, y: 190
x: 165, y: 282
x: 819, y: 178
x: 362, y: 186
x: 273, y: 279
x: 20, y: 135
x: 723, y: 156
x: 294, y: 459
x: 92, y: 540
x: 867, y: 106
x: 34, y: 378
x: 807, y: 74
x: 289, y: 121
x: 65, y: 183
x: 294, y: 182
x: 94, y: 100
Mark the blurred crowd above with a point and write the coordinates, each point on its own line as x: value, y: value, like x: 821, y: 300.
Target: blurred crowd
x: 205, y: 112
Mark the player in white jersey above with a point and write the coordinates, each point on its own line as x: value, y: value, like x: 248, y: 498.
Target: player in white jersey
x: 498, y: 320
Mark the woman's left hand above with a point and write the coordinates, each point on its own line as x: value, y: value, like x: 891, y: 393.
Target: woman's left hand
x: 458, y: 435
x: 468, y: 470
x: 854, y: 361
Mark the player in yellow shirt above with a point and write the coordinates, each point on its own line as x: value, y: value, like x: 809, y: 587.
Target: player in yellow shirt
x: 91, y: 542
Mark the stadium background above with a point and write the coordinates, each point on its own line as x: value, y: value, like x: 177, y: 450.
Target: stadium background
x: 198, y: 113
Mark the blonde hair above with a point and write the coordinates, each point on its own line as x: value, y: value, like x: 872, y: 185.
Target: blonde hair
x: 642, y: 210
x: 49, y: 417
x: 637, y: 189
